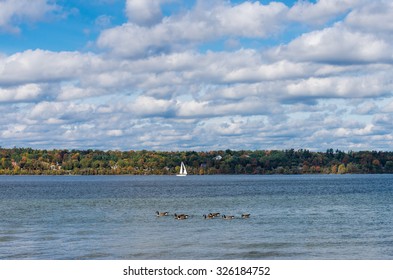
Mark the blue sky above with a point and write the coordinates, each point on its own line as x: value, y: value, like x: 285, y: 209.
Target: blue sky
x: 76, y: 24
x: 196, y: 75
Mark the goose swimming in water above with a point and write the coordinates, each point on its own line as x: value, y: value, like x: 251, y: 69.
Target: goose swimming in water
x: 181, y: 216
x: 227, y: 217
x: 215, y: 214
x: 246, y: 216
x: 209, y: 216
x: 161, y: 214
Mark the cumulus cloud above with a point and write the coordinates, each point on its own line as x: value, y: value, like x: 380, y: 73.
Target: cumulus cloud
x: 321, y: 11
x: 247, y: 106
x: 341, y: 87
x: 248, y: 19
x: 374, y: 17
x: 66, y: 111
x: 366, y: 108
x: 23, y: 93
x: 169, y: 82
x: 12, y: 13
x: 44, y: 66
x: 279, y: 70
x: 114, y: 132
x: 145, y: 106
x: 144, y: 12
x: 337, y: 45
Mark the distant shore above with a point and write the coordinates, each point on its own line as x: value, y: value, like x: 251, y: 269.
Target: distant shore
x: 27, y: 161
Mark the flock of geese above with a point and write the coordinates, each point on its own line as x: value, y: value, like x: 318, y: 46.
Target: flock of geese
x: 208, y: 216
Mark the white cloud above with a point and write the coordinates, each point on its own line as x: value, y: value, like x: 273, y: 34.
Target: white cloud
x: 248, y: 19
x: 103, y: 21
x: 45, y: 66
x: 12, y: 13
x: 388, y: 108
x: 279, y: 70
x: 145, y: 106
x: 373, y: 17
x: 115, y: 132
x: 337, y: 45
x: 60, y: 112
x: 144, y: 12
x: 321, y: 11
x: 246, y: 107
x: 23, y: 93
x: 14, y: 131
x: 150, y: 87
x: 228, y: 128
x: 342, y: 87
x: 366, y: 108
x: 73, y: 92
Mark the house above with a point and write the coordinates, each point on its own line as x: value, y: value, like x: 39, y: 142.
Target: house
x: 56, y: 166
x: 218, y: 158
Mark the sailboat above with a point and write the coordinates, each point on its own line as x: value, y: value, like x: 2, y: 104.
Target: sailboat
x: 183, y: 170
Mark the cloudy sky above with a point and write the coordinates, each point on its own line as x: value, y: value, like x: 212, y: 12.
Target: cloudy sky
x: 197, y: 74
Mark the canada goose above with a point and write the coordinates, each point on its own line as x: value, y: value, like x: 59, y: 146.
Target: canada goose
x: 227, y: 217
x: 161, y: 214
x: 181, y: 216
x: 215, y: 214
x: 209, y: 216
x: 246, y: 216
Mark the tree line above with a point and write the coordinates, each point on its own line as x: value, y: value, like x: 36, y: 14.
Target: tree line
x: 27, y: 161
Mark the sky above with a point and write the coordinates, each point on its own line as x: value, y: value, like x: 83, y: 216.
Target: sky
x: 196, y: 75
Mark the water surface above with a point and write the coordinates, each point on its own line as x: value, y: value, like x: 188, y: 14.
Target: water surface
x: 113, y: 217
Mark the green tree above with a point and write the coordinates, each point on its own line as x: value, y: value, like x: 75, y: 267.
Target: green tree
x: 389, y: 167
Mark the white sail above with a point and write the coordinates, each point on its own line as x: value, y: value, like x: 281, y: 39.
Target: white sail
x: 183, y: 170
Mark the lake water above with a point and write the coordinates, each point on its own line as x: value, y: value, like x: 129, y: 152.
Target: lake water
x: 113, y: 217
